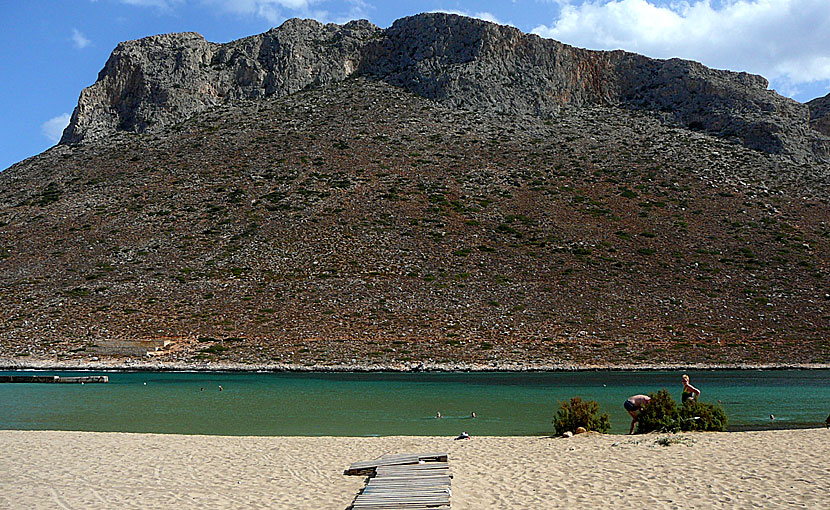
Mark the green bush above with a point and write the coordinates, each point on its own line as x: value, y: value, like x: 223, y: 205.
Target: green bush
x: 660, y: 415
x: 214, y: 349
x: 696, y: 415
x: 663, y: 414
x: 578, y: 413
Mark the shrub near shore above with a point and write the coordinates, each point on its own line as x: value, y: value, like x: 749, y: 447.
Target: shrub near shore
x: 577, y: 413
x: 663, y: 414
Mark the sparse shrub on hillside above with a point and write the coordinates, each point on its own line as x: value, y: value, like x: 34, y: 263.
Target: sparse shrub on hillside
x: 580, y: 413
x: 214, y: 349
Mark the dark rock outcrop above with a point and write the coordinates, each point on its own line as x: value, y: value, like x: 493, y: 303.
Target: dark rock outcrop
x: 459, y: 61
x: 157, y: 81
x: 820, y: 114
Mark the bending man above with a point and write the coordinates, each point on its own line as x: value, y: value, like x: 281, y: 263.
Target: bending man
x: 634, y: 405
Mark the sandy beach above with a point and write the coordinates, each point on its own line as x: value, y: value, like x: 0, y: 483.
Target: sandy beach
x: 75, y: 470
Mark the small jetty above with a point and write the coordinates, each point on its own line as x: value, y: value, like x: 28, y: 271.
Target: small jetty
x: 404, y: 481
x: 53, y: 379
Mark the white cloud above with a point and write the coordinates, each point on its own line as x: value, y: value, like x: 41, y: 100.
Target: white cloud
x: 273, y: 11
x: 483, y: 15
x: 79, y: 40
x: 270, y: 10
x: 488, y: 16
x: 358, y: 9
x: 784, y: 40
x: 162, y: 4
x: 53, y: 128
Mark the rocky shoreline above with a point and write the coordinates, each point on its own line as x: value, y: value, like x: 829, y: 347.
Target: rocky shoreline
x: 157, y: 366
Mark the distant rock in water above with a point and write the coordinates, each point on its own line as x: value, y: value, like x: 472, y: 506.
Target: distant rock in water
x: 157, y: 81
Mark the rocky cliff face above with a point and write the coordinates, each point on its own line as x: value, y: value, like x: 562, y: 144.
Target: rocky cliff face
x: 820, y: 114
x: 157, y: 81
x: 461, y: 62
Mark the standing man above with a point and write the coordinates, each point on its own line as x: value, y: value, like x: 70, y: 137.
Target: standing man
x: 634, y: 405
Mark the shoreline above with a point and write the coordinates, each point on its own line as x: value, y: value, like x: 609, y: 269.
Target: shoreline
x: 413, y: 367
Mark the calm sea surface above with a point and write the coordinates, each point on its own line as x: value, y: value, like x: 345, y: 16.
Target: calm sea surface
x: 360, y: 404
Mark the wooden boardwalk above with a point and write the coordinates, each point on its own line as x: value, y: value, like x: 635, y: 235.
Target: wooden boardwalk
x: 407, y: 481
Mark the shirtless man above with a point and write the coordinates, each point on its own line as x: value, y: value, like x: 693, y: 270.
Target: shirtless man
x: 633, y: 405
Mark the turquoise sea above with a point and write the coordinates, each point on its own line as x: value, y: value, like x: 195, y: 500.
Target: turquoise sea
x: 365, y: 404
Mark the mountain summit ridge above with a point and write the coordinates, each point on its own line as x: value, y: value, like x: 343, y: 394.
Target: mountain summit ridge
x: 154, y: 82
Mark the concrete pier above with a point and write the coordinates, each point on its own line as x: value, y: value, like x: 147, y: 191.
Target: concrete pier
x: 53, y: 379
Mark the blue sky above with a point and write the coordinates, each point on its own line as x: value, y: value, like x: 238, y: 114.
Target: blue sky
x: 50, y: 50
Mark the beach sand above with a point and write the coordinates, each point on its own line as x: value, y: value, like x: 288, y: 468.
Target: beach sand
x: 78, y: 470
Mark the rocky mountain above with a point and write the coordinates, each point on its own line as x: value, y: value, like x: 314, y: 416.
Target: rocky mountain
x: 461, y: 62
x: 820, y: 114
x: 347, y: 212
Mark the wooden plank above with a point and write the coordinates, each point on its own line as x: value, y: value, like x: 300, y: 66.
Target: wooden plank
x: 410, y: 499
x: 404, y: 479
x: 396, y: 493
x: 360, y: 468
x: 413, y: 467
x: 420, y: 465
x: 405, y: 458
x: 406, y: 488
x: 416, y: 474
x: 412, y: 472
x: 402, y: 504
x: 444, y: 480
x: 423, y: 474
x: 368, y: 504
x: 403, y: 496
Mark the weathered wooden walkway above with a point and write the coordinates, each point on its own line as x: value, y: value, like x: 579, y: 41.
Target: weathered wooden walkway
x: 406, y: 481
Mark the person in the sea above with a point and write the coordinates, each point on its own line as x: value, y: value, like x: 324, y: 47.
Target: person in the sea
x: 634, y: 405
x: 827, y: 422
x: 689, y: 391
x: 463, y: 435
